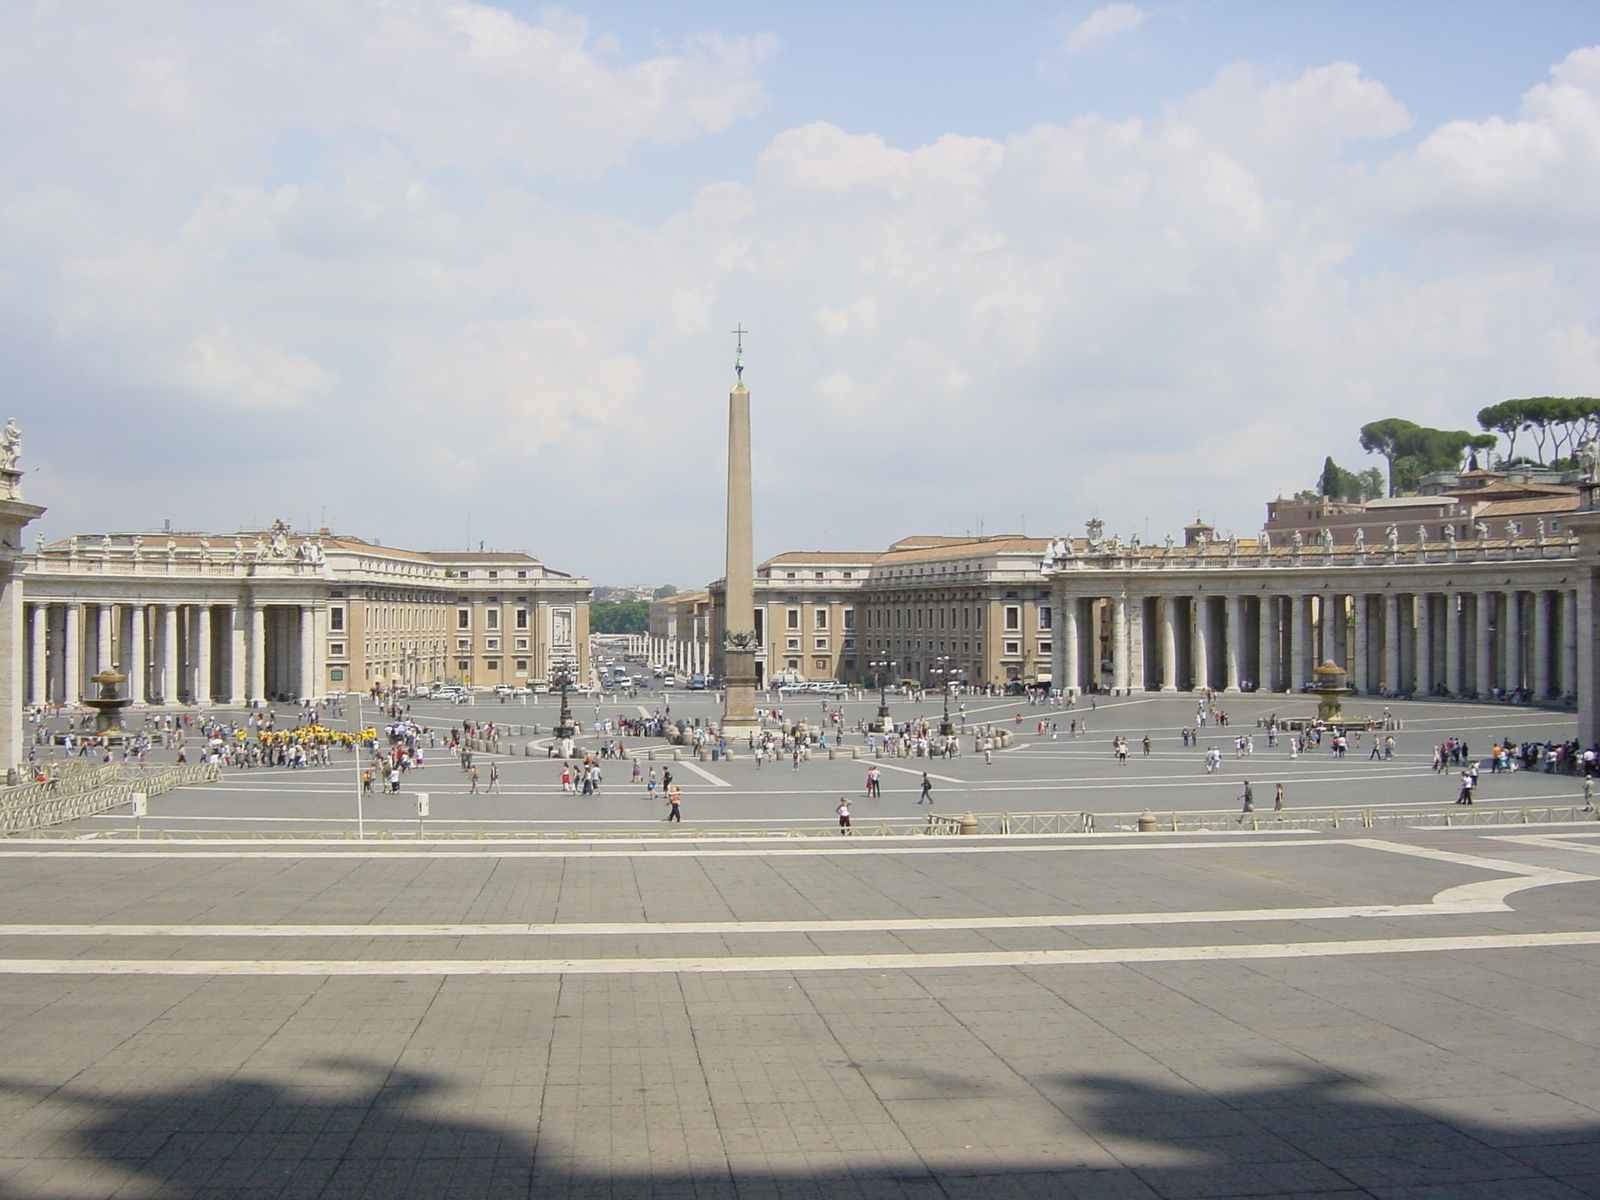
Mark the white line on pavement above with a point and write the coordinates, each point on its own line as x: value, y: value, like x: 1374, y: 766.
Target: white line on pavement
x: 1485, y: 897
x: 799, y: 963
x: 883, y: 766
x: 716, y: 780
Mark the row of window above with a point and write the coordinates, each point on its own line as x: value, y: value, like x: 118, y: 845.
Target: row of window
x: 946, y: 618
x: 819, y: 618
x: 491, y: 618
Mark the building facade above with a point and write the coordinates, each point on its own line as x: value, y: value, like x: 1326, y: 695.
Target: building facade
x: 926, y: 609
x: 282, y: 616
x: 1443, y: 616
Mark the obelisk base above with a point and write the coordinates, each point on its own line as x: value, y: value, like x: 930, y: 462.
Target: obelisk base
x: 739, y: 691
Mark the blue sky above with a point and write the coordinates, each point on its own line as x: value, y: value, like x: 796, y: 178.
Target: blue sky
x: 415, y: 267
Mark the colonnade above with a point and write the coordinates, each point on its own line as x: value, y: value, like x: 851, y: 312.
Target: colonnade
x: 1458, y: 640
x: 199, y: 653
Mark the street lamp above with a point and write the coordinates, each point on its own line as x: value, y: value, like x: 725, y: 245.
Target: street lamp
x: 947, y: 675
x: 564, y: 671
x: 882, y: 667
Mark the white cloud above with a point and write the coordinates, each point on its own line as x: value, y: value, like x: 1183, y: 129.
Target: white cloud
x: 1101, y: 26
x: 1135, y: 317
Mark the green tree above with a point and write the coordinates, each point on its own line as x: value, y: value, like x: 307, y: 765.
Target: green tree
x: 1557, y: 424
x: 665, y: 590
x: 619, y: 616
x: 1413, y: 450
x: 1383, y: 437
x: 1338, y: 484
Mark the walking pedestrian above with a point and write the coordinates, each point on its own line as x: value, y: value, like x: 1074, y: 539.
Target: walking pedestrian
x: 494, y: 776
x: 1248, y: 799
x: 674, y: 812
x: 472, y: 777
x: 927, y: 789
x: 1277, y: 800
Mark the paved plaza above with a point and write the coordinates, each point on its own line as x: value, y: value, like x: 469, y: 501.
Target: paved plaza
x: 1403, y: 1015
x: 1037, y: 774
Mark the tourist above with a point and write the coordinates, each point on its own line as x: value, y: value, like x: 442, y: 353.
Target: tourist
x: 674, y: 812
x: 843, y: 809
x: 927, y: 789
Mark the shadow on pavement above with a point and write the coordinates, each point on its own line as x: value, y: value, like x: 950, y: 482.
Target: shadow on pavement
x: 1325, y: 1135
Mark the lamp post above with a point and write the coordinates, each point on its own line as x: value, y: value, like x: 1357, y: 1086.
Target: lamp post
x: 882, y: 667
x: 947, y: 676
x: 563, y: 671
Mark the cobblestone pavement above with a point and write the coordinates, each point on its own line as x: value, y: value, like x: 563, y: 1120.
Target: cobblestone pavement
x: 1401, y: 1014
x: 1040, y: 773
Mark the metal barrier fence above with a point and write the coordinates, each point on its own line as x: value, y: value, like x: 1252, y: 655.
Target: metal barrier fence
x: 1366, y: 818
x: 39, y: 808
x: 930, y: 825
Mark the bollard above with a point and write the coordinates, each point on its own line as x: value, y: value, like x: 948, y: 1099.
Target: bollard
x: 855, y: 753
x: 831, y: 755
x: 1147, y: 822
x: 650, y: 755
x: 969, y: 824
x: 676, y: 756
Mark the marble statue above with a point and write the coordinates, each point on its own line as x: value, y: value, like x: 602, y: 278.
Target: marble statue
x: 1327, y: 541
x: 1483, y: 530
x: 10, y: 445
x: 1450, y: 535
x: 1588, y: 455
x: 1391, y: 537
x: 38, y: 543
x: 280, y: 539
x: 1170, y: 541
x: 1540, y: 527
x: 1513, y: 531
x: 1361, y: 540
x: 1299, y: 540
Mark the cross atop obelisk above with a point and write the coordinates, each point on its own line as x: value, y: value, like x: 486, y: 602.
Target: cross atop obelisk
x: 739, y: 642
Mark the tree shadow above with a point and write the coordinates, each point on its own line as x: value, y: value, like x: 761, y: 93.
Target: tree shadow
x: 1321, y: 1134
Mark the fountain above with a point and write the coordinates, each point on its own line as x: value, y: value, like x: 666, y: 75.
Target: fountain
x: 108, y: 706
x: 1332, y: 684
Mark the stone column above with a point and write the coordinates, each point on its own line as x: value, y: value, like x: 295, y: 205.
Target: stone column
x: 1452, y: 642
x: 1200, y: 644
x: 38, y: 653
x: 202, y: 656
x: 104, y: 615
x: 1071, y: 673
x: 1297, y: 642
x: 1169, y: 643
x: 1424, y: 680
x: 1483, y: 676
x: 1119, y: 643
x: 238, y: 653
x: 1267, y: 645
x: 1511, y: 641
x: 1391, y: 640
x: 1235, y: 635
x: 309, y: 686
x: 1543, y: 655
x: 1569, y: 642
x: 138, y: 673
x: 256, y: 653
x: 169, y: 653
x: 1361, y: 658
x: 72, y: 655
x: 738, y: 648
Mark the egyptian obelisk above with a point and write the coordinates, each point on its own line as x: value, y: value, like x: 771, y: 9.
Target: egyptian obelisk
x: 739, y: 603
